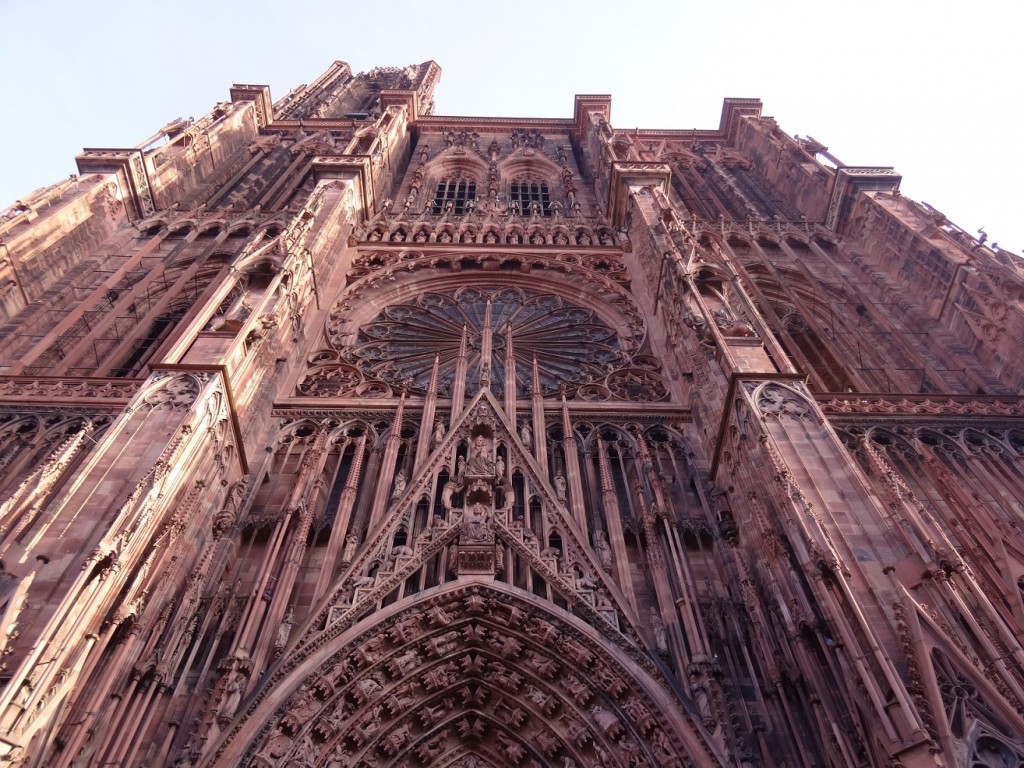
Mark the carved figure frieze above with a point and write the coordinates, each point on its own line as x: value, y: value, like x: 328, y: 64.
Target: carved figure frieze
x: 938, y: 406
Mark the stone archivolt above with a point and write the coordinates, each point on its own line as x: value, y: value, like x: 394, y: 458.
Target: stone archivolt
x: 474, y: 670
x: 477, y: 669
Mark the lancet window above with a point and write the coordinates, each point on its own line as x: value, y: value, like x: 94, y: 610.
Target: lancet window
x: 529, y: 195
x: 456, y: 195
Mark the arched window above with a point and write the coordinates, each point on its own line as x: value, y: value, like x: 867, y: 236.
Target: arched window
x: 455, y: 194
x: 523, y: 194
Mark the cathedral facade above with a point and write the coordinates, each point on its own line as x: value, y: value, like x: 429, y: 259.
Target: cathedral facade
x: 335, y: 432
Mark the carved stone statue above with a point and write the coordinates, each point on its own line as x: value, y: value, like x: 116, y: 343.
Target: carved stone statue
x: 228, y: 514
x: 474, y: 523
x: 400, y: 483
x: 560, y: 486
x: 337, y: 758
x: 283, y: 631
x: 731, y: 326
x: 660, y: 635
x: 480, y: 461
x: 439, y: 433
x: 604, y: 551
x: 526, y: 434
x: 232, y: 697
x: 349, y: 551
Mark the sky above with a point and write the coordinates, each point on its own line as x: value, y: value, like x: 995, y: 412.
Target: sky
x: 931, y: 88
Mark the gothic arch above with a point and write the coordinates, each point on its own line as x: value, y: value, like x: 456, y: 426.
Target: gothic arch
x: 171, y: 391
x: 782, y: 401
x: 467, y: 668
x: 241, y: 227
x: 522, y: 164
x: 209, y: 228
x: 985, y: 726
x: 450, y: 164
x: 180, y: 227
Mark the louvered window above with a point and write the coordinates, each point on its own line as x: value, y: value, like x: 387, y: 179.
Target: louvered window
x: 525, y: 193
x: 457, y: 192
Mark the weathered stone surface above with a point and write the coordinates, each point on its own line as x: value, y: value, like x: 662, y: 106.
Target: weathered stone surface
x: 335, y: 432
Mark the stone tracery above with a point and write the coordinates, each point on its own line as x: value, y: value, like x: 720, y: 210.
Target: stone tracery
x: 576, y: 350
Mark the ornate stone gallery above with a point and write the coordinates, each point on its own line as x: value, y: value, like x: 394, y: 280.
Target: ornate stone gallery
x: 337, y: 433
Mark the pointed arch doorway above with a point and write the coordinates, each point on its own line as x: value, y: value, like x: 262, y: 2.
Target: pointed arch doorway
x: 472, y: 674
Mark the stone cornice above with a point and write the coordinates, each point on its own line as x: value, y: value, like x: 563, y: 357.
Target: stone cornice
x: 314, y: 124
x: 60, y: 391
x: 313, y: 408
x: 917, y: 408
x: 447, y: 123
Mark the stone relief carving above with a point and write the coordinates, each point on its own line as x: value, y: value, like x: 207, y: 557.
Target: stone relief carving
x: 175, y: 392
x: 438, y: 680
x: 781, y: 402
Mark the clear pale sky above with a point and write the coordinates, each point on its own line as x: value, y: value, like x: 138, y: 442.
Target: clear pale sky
x: 932, y: 88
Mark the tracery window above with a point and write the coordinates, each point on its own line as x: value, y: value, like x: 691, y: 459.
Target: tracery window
x: 523, y: 194
x: 457, y: 193
x: 572, y: 345
x: 575, y: 348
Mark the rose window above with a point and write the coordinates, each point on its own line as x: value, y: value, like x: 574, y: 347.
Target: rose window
x: 573, y: 346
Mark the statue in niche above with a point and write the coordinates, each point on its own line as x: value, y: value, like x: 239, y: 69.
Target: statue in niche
x: 232, y: 697
x: 660, y: 634
x: 560, y: 486
x: 480, y: 462
x: 349, y: 551
x: 439, y: 432
x: 283, y: 631
x: 604, y: 551
x: 526, y: 434
x: 400, y: 483
x: 478, y: 494
x: 474, y: 523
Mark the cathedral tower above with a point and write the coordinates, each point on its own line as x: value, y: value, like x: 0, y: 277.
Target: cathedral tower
x: 337, y: 433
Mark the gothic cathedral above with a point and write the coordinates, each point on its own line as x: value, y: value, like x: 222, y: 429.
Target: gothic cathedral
x: 336, y: 433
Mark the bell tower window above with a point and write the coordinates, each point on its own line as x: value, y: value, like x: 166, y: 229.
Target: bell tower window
x: 454, y: 195
x: 523, y: 194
